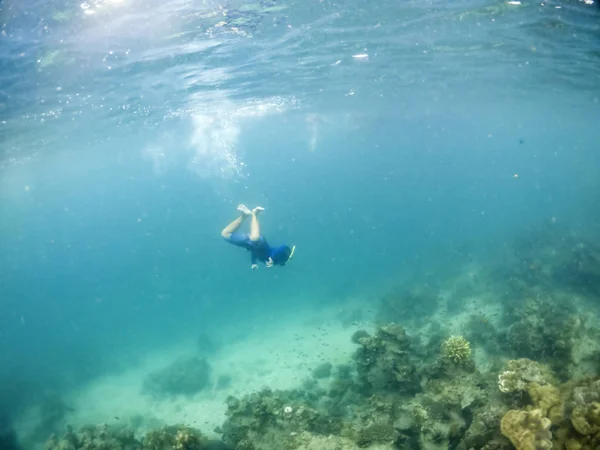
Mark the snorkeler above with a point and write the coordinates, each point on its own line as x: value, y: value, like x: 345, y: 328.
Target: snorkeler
x: 254, y: 242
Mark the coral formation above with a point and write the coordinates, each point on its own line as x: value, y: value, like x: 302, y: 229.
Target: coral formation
x: 398, y: 395
x: 100, y: 437
x: 527, y: 430
x: 383, y: 362
x: 174, y: 438
x: 547, y: 399
x: 562, y: 417
x: 545, y: 332
x: 457, y: 349
x: 103, y: 437
x: 484, y: 431
x: 519, y: 373
x: 271, y: 419
x: 371, y: 409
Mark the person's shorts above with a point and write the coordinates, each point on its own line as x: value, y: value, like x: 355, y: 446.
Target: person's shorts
x: 243, y: 240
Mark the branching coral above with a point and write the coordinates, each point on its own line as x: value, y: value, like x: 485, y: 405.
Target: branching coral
x: 457, y: 349
x: 187, y: 439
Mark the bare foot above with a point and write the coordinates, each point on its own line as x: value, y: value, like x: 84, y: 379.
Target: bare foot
x: 244, y: 210
x: 258, y: 209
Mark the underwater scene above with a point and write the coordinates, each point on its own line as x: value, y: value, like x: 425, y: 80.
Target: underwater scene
x: 299, y: 225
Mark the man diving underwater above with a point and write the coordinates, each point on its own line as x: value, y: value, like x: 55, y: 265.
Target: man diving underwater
x: 257, y: 245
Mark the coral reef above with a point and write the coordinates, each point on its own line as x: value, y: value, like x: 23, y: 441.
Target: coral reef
x: 525, y: 377
x: 388, y: 403
x: 272, y: 419
x: 100, y: 437
x: 561, y: 417
x: 523, y: 388
x: 183, y: 377
x: 103, y: 437
x: 579, y: 426
x: 545, y: 331
x: 484, y: 431
x: 383, y: 362
x: 175, y: 438
x: 453, y: 392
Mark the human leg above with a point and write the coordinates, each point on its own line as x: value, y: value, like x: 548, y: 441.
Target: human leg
x: 254, y: 225
x: 235, y: 225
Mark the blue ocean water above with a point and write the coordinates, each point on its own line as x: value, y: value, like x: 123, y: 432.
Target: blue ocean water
x: 383, y: 139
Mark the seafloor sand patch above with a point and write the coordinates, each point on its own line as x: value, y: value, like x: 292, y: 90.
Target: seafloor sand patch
x: 278, y: 353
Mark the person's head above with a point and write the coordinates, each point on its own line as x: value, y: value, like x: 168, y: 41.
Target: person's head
x: 282, y: 255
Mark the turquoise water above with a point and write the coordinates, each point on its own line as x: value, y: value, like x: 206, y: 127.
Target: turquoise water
x: 385, y: 141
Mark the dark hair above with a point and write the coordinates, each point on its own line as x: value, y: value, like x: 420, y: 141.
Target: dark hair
x: 282, y: 255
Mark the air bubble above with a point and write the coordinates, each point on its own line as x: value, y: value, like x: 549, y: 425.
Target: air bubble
x: 85, y: 5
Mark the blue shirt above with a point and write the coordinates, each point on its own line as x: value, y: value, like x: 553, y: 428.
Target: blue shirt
x: 260, y: 250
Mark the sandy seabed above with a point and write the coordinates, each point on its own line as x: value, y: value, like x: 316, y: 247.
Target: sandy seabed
x: 276, y: 353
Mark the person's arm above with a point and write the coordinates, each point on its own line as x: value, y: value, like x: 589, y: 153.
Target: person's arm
x: 254, y: 266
